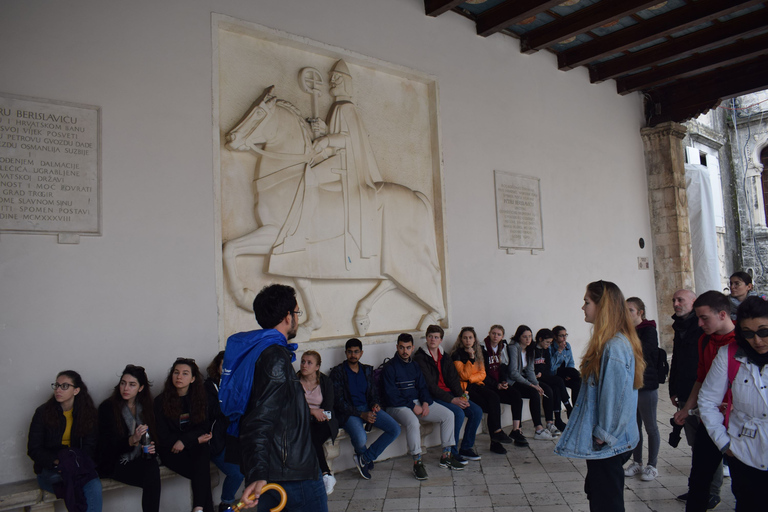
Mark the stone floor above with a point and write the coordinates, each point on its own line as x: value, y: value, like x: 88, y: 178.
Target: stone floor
x: 530, y: 479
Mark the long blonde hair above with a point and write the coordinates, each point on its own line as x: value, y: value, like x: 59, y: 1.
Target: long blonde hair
x: 611, y: 318
x: 476, y: 347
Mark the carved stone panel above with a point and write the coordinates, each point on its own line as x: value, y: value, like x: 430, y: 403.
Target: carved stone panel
x: 329, y: 180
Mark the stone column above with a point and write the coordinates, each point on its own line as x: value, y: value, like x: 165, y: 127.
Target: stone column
x: 668, y: 201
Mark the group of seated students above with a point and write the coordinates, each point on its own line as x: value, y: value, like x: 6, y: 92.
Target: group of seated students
x: 433, y: 385
x: 73, y: 444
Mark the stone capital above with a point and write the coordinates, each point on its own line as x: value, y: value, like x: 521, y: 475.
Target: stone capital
x: 668, y: 129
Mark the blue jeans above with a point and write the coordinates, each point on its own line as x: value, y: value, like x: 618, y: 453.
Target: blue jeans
x: 474, y: 415
x: 232, y: 479
x: 303, y: 496
x: 355, y: 427
x: 92, y: 490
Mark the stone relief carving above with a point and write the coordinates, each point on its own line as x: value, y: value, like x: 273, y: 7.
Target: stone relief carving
x: 324, y: 210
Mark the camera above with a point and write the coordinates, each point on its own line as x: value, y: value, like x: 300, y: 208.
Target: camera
x: 674, y: 436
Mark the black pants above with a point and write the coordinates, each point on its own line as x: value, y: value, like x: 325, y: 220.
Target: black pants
x: 194, y: 463
x: 511, y: 397
x: 489, y: 403
x: 534, y: 405
x: 321, y: 432
x: 144, y: 473
x: 704, y: 462
x: 572, y: 379
x: 604, y: 484
x: 559, y: 393
x: 748, y: 485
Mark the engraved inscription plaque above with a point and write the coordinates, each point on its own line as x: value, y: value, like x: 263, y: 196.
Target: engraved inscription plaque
x: 49, y: 166
x: 518, y: 211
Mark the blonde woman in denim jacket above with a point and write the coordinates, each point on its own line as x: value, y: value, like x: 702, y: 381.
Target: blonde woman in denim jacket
x: 603, y: 428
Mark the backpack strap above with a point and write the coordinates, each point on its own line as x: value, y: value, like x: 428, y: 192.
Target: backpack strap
x: 733, y: 369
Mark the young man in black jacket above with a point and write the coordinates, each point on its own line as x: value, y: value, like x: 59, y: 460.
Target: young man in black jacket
x: 357, y: 406
x: 275, y: 439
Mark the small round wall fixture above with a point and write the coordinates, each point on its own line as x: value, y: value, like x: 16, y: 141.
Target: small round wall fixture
x: 641, y: 242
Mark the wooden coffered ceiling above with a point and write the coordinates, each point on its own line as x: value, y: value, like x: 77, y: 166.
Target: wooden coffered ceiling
x: 684, y: 56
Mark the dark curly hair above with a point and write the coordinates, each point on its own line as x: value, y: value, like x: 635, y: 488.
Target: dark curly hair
x: 84, y: 415
x: 213, y: 369
x: 144, y: 398
x: 196, y: 393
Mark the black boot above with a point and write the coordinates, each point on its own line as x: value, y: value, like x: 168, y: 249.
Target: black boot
x: 498, y: 448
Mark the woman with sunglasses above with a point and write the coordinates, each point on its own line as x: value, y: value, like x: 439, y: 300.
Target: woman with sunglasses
x: 124, y: 418
x: 62, y: 443
x: 742, y: 434
x: 183, y: 430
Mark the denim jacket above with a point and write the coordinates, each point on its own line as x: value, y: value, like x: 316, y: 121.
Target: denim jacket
x: 557, y: 357
x: 606, y: 409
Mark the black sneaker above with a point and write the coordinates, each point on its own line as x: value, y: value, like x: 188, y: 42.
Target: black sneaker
x: 419, y: 471
x: 501, y: 437
x: 518, y: 437
x: 460, y: 458
x: 682, y: 497
x: 362, y: 468
x: 498, y: 448
x: 714, y: 501
x: 469, y: 454
x: 370, y: 466
x: 450, y: 462
x: 568, y: 410
x: 560, y: 425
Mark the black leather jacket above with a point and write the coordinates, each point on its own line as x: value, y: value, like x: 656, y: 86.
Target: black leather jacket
x: 44, y: 443
x: 685, y: 356
x: 275, y: 440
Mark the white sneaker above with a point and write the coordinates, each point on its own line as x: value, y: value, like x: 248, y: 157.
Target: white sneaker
x: 635, y: 469
x: 543, y: 435
x: 553, y: 430
x: 330, y: 481
x: 649, y: 473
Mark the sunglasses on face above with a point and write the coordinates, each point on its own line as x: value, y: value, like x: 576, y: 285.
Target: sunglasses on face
x: 763, y: 333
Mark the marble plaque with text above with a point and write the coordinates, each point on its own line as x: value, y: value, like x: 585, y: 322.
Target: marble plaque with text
x: 518, y: 211
x: 49, y: 166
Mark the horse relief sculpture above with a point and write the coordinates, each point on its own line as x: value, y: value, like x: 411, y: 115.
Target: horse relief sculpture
x: 344, y: 221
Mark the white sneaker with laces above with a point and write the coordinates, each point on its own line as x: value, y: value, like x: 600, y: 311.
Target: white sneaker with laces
x: 649, y: 474
x: 329, y: 481
x: 634, y: 469
x: 553, y: 430
x: 543, y: 435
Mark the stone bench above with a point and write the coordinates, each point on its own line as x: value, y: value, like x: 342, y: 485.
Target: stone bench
x: 28, y: 497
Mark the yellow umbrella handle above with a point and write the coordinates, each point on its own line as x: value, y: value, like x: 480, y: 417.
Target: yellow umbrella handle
x: 271, y: 486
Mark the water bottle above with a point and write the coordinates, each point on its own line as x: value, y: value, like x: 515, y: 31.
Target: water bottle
x: 145, y: 443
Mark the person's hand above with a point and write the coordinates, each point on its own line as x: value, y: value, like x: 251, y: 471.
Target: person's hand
x: 503, y: 385
x: 539, y: 389
x: 368, y: 417
x: 461, y: 402
x: 136, y: 437
x: 538, y: 375
x: 320, y: 144
x: 681, y: 416
x: 318, y: 414
x: 674, y: 400
x: 729, y: 453
x: 417, y: 409
x: 598, y: 441
x: 424, y: 410
x: 204, y: 438
x: 151, y: 448
x: 177, y: 446
x: 376, y: 408
x: 254, y: 490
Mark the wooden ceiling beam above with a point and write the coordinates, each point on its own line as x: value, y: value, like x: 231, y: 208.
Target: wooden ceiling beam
x: 721, y: 33
x: 510, y: 13
x: 685, y: 98
x: 438, y: 7
x: 662, y: 25
x: 579, y: 22
x: 697, y: 64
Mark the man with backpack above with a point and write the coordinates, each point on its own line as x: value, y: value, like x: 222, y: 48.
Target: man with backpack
x: 357, y: 407
x: 713, y: 310
x: 264, y: 401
